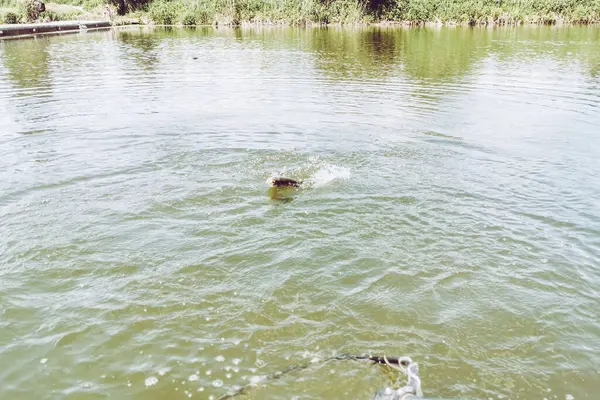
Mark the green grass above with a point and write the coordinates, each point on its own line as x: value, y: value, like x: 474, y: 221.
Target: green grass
x: 300, y: 12
x: 21, y: 11
x: 233, y: 12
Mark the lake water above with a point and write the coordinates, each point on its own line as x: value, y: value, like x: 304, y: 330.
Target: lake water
x: 450, y: 212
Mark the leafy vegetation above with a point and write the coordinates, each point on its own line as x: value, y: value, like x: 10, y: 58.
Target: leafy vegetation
x: 300, y: 12
x: 233, y: 12
x: 30, y: 10
x: 10, y: 18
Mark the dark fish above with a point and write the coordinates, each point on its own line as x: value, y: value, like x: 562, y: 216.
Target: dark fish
x: 283, y: 182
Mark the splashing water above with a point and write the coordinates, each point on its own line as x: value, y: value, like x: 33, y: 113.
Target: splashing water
x: 151, y: 381
x: 328, y: 174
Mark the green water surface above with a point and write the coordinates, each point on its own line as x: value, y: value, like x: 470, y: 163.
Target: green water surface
x: 450, y: 212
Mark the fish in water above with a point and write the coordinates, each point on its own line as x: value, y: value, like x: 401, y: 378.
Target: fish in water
x: 282, y: 189
x: 283, y: 182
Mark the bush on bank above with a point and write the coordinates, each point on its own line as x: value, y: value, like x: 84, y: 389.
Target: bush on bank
x: 306, y: 12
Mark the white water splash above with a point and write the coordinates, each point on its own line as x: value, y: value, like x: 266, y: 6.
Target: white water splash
x: 217, y: 383
x: 328, y: 174
x: 255, y: 380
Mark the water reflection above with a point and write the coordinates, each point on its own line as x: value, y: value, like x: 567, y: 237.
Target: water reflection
x: 569, y: 45
x: 143, y: 47
x: 440, y: 54
x: 350, y: 53
x: 27, y: 65
x: 282, y: 194
x: 27, y: 69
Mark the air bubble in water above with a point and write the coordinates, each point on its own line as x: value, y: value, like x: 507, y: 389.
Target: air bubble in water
x: 151, y: 381
x: 208, y: 372
x: 219, y: 358
x: 193, y: 378
x: 217, y: 383
x: 237, y: 361
x: 255, y: 380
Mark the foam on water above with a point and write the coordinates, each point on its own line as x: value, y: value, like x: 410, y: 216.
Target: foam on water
x: 328, y: 174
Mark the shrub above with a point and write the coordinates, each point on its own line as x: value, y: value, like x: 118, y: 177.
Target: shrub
x: 203, y: 17
x: 189, y: 19
x: 31, y: 9
x: 49, y: 16
x: 420, y: 10
x: 164, y: 13
x: 10, y: 18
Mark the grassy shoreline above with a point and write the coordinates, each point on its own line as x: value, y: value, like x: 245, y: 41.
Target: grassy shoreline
x: 313, y: 12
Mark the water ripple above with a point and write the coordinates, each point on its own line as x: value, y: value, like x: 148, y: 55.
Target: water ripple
x: 449, y: 212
